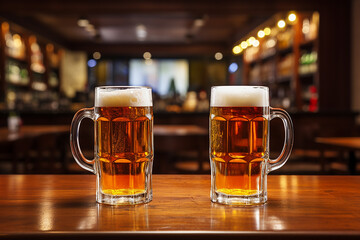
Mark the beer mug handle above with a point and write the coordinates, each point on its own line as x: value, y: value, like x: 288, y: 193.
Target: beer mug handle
x: 289, y: 138
x: 74, y: 139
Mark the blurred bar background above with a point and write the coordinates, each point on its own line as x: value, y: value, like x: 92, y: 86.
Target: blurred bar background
x: 54, y: 53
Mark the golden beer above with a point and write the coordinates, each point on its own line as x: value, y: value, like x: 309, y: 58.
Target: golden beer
x: 124, y: 148
x: 239, y: 148
x: 123, y: 117
x: 239, y: 144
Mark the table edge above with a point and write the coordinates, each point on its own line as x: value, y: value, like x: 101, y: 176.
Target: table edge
x: 351, y: 234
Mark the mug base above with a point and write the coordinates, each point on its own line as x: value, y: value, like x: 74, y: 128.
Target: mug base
x: 124, y: 199
x: 243, y: 200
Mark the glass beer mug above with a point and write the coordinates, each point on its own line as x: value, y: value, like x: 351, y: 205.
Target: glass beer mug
x: 123, y: 151
x: 239, y: 144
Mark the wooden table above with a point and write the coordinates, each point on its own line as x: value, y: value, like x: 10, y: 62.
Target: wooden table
x: 63, y: 206
x: 350, y: 144
x: 17, y: 145
x: 31, y: 131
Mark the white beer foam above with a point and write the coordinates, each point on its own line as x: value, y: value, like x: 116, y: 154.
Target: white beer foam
x: 239, y: 96
x: 131, y: 97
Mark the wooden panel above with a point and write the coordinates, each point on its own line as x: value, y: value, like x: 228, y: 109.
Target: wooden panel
x: 56, y: 206
x: 334, y: 56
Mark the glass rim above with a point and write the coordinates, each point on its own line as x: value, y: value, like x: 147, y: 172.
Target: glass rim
x: 122, y: 87
x: 241, y: 86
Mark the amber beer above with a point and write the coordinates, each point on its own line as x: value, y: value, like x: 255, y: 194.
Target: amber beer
x: 124, y: 148
x: 123, y: 144
x: 124, y: 140
x: 239, y: 137
x: 238, y: 142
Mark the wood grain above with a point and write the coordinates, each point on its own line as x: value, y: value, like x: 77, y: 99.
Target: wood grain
x: 62, y: 206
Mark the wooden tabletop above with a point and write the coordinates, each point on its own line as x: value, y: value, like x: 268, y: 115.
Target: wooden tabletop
x: 342, y: 142
x: 31, y: 131
x: 63, y: 206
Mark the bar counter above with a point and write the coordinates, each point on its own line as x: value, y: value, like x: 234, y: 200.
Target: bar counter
x: 64, y: 207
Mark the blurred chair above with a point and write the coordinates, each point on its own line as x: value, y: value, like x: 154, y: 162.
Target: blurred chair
x: 49, y: 154
x: 180, y: 149
x: 21, y: 153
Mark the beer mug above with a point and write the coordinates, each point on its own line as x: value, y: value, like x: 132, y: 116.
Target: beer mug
x: 239, y: 144
x: 123, y: 150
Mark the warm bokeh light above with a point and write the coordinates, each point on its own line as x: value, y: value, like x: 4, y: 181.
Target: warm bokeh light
x: 5, y: 27
x: 281, y: 23
x: 243, y: 45
x: 270, y: 43
x: 256, y: 43
x: 267, y: 31
x: 16, y: 37
x: 236, y: 49
x: 292, y: 17
x: 16, y: 41
x: 82, y: 22
x: 96, y: 55
x: 147, y: 55
x: 199, y: 22
x: 141, y: 32
x: 89, y: 27
x: 32, y: 39
x: 218, y: 56
x: 251, y: 41
x: 49, y: 47
x: 306, y: 26
x: 261, y: 34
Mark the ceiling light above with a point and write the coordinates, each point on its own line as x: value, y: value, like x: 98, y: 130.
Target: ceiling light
x: 281, y: 23
x: 237, y: 49
x: 261, y: 34
x: 292, y: 17
x: 267, y: 31
x: 250, y: 41
x: 243, y: 45
x: 218, y: 56
x: 147, y: 55
x: 96, y: 55
x: 256, y: 43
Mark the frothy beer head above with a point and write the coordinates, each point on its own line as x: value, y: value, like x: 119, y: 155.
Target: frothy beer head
x: 123, y: 97
x: 239, y: 96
